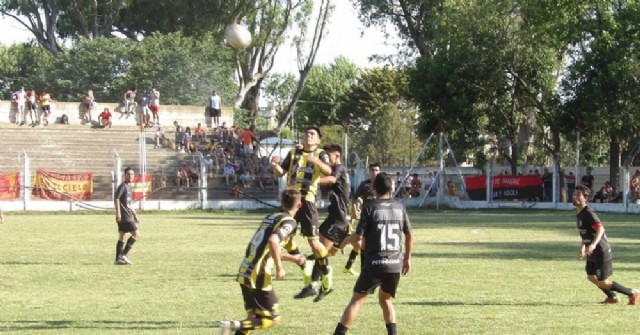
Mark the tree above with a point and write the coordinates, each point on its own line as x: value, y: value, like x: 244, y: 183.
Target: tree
x: 39, y: 17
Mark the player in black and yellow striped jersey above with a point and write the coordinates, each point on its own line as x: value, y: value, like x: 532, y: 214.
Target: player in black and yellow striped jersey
x: 255, y: 273
x: 304, y: 167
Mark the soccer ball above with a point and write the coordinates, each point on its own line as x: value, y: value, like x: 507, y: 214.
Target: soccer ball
x: 238, y: 36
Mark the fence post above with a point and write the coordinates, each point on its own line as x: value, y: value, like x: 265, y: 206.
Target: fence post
x: 26, y: 179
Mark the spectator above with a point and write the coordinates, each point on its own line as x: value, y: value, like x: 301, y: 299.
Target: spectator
x: 451, y: 189
x: 45, y: 104
x: 160, y: 180
x: 188, y: 141
x: 154, y: 105
x: 223, y: 132
x: 248, y: 138
x: 179, y: 136
x: 32, y: 106
x: 89, y: 105
x: 235, y: 191
x: 191, y: 171
x: 570, y: 180
x: 635, y: 188
x: 144, y: 108
x: 105, y: 118
x: 159, y: 138
x: 19, y: 99
x: 605, y: 194
x: 209, y: 164
x: 416, y: 185
x: 547, y: 184
x: 245, y: 178
x: 129, y: 100
x: 229, y: 173
x: 215, y: 104
x: 587, y: 179
x: 181, y: 181
x: 198, y: 133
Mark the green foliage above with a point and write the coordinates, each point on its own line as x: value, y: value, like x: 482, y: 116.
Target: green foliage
x: 24, y: 65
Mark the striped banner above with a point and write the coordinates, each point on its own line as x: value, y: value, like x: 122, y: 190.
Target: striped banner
x: 63, y: 186
x: 138, y: 187
x: 10, y: 186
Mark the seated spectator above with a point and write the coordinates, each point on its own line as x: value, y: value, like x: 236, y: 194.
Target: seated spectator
x: 235, y: 191
x: 229, y: 173
x: 605, y: 194
x: 104, y: 119
x: 635, y: 188
x: 189, y: 144
x: 199, y: 134
x: 245, y: 178
x: 159, y: 139
x: 208, y: 163
x: 191, y: 171
x: 160, y: 180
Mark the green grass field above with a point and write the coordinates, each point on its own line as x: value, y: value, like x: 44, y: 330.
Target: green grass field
x: 474, y: 272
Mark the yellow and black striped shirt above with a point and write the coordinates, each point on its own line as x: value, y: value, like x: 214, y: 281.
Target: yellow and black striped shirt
x: 302, y: 175
x: 255, y: 269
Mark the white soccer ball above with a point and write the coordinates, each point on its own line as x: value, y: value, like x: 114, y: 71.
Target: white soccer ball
x: 238, y: 36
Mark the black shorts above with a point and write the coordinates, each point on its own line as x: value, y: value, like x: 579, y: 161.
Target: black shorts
x: 369, y: 280
x: 46, y: 108
x: 214, y: 112
x: 127, y: 227
x: 262, y: 303
x: 334, y: 230
x: 307, y: 217
x: 601, y: 269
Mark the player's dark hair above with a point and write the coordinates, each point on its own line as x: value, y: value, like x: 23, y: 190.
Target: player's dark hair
x: 289, y: 198
x: 316, y: 129
x: 376, y: 164
x: 127, y: 169
x: 584, y: 190
x: 333, y: 148
x: 383, y: 183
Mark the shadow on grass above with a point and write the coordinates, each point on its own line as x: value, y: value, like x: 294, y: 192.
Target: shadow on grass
x: 622, y: 252
x: 26, y: 325
x: 482, y: 303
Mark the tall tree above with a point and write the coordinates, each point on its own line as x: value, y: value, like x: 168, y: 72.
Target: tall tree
x: 39, y: 17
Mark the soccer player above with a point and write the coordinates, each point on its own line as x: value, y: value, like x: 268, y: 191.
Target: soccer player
x: 336, y: 226
x: 254, y: 275
x: 380, y: 229
x: 126, y: 218
x: 304, y: 167
x: 596, y: 248
x: 363, y: 194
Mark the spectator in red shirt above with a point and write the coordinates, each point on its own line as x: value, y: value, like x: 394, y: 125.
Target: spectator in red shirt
x: 105, y: 118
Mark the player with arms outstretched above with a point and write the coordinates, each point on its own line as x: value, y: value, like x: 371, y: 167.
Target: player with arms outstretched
x: 254, y: 275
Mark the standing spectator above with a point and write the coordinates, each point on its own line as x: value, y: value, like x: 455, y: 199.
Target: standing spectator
x: 247, y: 141
x: 19, y: 99
x: 32, y: 106
x: 587, y: 179
x: 570, y: 181
x: 105, y: 118
x: 154, y: 105
x: 89, y: 105
x: 547, y: 184
x: 595, y: 247
x: 229, y: 173
x: 179, y: 139
x: 382, y: 226
x: 129, y: 101
x: 45, y: 104
x: 224, y: 134
x: 215, y: 110
x: 126, y: 218
x: 144, y: 108
x: 416, y: 184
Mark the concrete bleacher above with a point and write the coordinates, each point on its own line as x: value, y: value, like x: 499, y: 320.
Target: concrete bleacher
x: 84, y: 148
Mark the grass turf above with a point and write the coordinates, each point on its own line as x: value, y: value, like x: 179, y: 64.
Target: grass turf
x: 474, y: 272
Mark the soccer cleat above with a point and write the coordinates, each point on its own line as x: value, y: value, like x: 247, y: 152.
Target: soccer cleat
x: 126, y: 260
x: 306, y: 272
x: 322, y: 294
x: 633, y: 298
x: 609, y: 301
x: 306, y: 292
x: 225, y: 328
x: 119, y: 261
x: 327, y: 280
x: 351, y: 271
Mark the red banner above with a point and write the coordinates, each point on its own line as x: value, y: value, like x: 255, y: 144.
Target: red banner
x: 63, y: 186
x: 139, y: 187
x: 505, y: 187
x: 10, y: 186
